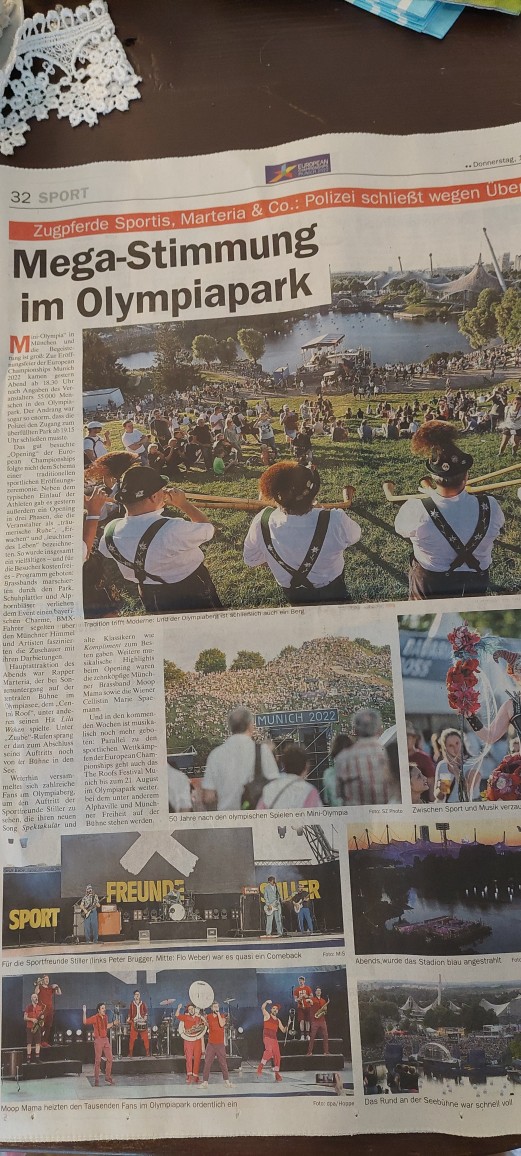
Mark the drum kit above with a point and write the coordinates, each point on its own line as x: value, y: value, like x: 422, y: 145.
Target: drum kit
x: 176, y: 908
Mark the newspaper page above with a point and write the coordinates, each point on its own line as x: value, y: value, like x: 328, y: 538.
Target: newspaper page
x: 261, y: 812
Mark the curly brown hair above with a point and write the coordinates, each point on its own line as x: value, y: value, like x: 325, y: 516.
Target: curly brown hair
x: 291, y: 486
x: 111, y: 467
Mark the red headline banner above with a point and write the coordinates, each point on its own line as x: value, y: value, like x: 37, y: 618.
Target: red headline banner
x: 437, y: 196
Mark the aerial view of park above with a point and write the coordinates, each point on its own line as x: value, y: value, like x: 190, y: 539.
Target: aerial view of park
x: 342, y: 389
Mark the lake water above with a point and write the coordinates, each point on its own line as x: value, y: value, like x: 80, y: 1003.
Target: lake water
x: 139, y: 360
x: 503, y: 918
x: 389, y: 340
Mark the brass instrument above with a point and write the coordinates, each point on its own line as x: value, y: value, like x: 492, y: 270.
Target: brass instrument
x: 322, y: 1011
x: 227, y: 502
x: 483, y: 484
x: 196, y: 1032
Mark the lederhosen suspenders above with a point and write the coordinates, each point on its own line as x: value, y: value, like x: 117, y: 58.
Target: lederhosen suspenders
x: 464, y: 551
x: 138, y: 565
x: 299, y: 577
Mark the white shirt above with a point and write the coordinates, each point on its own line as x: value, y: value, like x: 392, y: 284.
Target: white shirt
x: 216, y: 419
x: 179, y: 798
x: 130, y: 440
x: 431, y: 549
x: 232, y: 765
x: 291, y: 535
x: 265, y: 429
x: 173, y: 554
x: 512, y: 417
x: 93, y: 444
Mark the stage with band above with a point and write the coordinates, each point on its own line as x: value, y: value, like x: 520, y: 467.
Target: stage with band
x: 53, y: 908
x: 255, y: 1028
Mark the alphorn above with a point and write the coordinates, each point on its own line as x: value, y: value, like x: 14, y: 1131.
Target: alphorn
x: 389, y: 489
x: 227, y: 502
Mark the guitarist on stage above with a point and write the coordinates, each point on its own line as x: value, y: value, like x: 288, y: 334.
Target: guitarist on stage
x: 34, y: 1018
x: 302, y: 909
x: 303, y: 996
x: 89, y: 909
x: 272, y: 905
x: 318, y: 1022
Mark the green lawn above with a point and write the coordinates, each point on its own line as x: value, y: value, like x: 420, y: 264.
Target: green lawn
x: 376, y: 568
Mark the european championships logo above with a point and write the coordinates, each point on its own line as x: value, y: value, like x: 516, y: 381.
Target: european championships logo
x: 292, y: 170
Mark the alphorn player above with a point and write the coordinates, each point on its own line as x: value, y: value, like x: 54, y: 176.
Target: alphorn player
x: 302, y: 544
x: 161, y: 555
x: 451, y: 531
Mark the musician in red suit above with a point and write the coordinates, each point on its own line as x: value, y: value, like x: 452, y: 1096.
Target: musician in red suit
x: 102, y: 1046
x: 318, y: 1026
x: 303, y: 996
x: 46, y: 991
x: 193, y: 1048
x: 215, y: 1048
x: 271, y: 1026
x: 32, y: 1014
x: 137, y: 1015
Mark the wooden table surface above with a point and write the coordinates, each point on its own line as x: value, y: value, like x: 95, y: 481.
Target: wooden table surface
x: 225, y: 74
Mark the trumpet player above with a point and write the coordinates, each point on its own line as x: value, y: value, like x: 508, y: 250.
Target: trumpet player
x: 272, y: 1025
x: 192, y: 1021
x: 215, y: 1049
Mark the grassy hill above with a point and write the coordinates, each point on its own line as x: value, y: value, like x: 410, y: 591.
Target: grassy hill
x: 376, y: 569
x: 325, y: 672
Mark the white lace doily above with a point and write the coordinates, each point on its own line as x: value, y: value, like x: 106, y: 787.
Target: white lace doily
x: 69, y: 61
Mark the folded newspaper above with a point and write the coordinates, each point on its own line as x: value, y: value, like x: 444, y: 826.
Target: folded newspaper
x: 261, y: 813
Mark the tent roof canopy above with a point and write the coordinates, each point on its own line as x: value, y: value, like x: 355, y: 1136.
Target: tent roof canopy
x: 472, y: 282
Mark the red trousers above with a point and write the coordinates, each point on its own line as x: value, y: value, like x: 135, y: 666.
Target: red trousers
x: 271, y: 1052
x: 102, y: 1048
x: 318, y: 1028
x: 193, y: 1053
x: 134, y: 1033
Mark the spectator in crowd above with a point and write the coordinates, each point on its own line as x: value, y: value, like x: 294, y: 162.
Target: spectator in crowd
x: 422, y: 760
x: 455, y: 776
x: 330, y: 795
x: 363, y: 773
x: 161, y: 429
x: 179, y: 794
x: 135, y: 441
x: 419, y: 785
x: 95, y: 445
x: 231, y: 766
x: 291, y: 789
